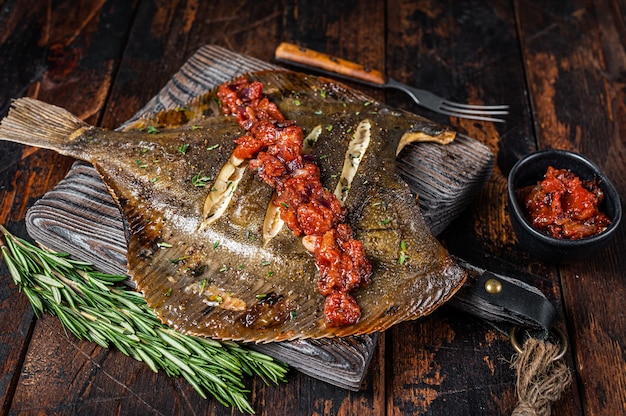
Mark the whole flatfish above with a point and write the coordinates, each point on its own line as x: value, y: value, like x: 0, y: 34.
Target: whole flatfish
x: 206, y: 244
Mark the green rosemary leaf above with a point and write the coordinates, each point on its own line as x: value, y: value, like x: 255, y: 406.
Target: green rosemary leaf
x: 53, y: 260
x: 34, y: 300
x: 209, y: 375
x: 165, y: 336
x: 56, y: 294
x: 143, y: 356
x: 68, y: 298
x: 47, y: 280
x: 12, y: 245
x: 112, y: 278
x: 199, y: 388
x: 15, y: 274
x: 174, y: 359
x: 85, y: 264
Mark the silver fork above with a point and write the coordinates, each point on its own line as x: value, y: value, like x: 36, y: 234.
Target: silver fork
x: 307, y: 58
x: 441, y: 105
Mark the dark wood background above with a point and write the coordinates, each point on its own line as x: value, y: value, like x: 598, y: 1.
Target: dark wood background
x: 560, y: 65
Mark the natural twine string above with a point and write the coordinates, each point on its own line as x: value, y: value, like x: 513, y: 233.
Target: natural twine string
x: 540, y: 379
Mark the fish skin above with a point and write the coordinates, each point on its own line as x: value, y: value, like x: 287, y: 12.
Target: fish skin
x: 222, y: 280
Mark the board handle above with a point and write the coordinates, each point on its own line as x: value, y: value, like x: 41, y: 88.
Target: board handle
x: 308, y: 58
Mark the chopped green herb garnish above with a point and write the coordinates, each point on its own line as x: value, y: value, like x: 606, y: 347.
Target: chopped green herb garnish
x: 366, y: 103
x: 284, y: 204
x: 330, y: 128
x: 270, y: 274
x: 261, y: 296
x: 200, y: 181
x: 385, y: 221
x: 213, y: 147
x: 216, y: 245
x: 319, y: 112
x: 140, y: 165
x: 296, y: 102
x: 265, y: 263
x: 163, y: 244
x: 203, y: 285
x: 403, y: 257
x: 216, y: 298
x: 179, y: 260
x: 153, y: 180
x: 232, y: 187
x: 223, y: 268
x: 323, y: 93
x: 241, y: 266
x: 168, y: 293
x: 292, y: 315
x: 182, y: 149
x: 195, y: 127
x: 153, y: 130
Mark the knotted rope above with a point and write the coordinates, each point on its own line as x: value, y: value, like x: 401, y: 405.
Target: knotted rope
x: 542, y: 376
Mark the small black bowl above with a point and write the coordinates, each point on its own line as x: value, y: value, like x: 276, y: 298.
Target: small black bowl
x: 530, y: 170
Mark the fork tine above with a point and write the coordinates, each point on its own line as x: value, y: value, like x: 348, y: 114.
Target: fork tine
x: 478, y: 111
x: 477, y: 116
x: 475, y: 112
x: 476, y: 106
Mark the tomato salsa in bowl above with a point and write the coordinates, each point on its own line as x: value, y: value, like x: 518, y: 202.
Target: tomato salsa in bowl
x: 562, y: 207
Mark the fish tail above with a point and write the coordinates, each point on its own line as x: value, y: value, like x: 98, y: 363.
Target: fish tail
x: 39, y: 124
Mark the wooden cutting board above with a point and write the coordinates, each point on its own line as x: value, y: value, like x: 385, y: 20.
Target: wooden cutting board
x: 79, y: 217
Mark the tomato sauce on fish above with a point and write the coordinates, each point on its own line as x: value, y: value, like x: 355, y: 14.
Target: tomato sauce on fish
x: 274, y: 147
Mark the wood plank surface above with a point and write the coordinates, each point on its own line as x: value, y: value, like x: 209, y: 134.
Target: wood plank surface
x: 558, y: 63
x: 587, y: 71
x: 457, y: 356
x: 47, y: 53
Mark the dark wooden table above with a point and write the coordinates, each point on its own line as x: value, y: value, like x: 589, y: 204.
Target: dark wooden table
x: 561, y: 65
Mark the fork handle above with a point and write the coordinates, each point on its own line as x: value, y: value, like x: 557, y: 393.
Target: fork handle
x: 288, y: 52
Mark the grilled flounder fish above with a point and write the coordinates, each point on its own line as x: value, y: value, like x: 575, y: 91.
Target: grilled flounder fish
x: 205, y: 244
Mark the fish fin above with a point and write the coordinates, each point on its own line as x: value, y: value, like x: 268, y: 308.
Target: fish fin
x: 202, y: 106
x: 442, y: 137
x: 39, y: 124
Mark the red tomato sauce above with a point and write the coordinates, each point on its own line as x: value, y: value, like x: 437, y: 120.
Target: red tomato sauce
x: 564, y: 206
x: 274, y: 147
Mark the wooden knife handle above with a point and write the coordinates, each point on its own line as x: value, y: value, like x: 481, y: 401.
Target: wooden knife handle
x: 288, y: 52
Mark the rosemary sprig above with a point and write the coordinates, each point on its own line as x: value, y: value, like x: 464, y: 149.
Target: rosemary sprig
x: 98, y: 307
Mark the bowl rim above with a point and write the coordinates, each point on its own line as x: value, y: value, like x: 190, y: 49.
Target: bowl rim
x: 604, y: 182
